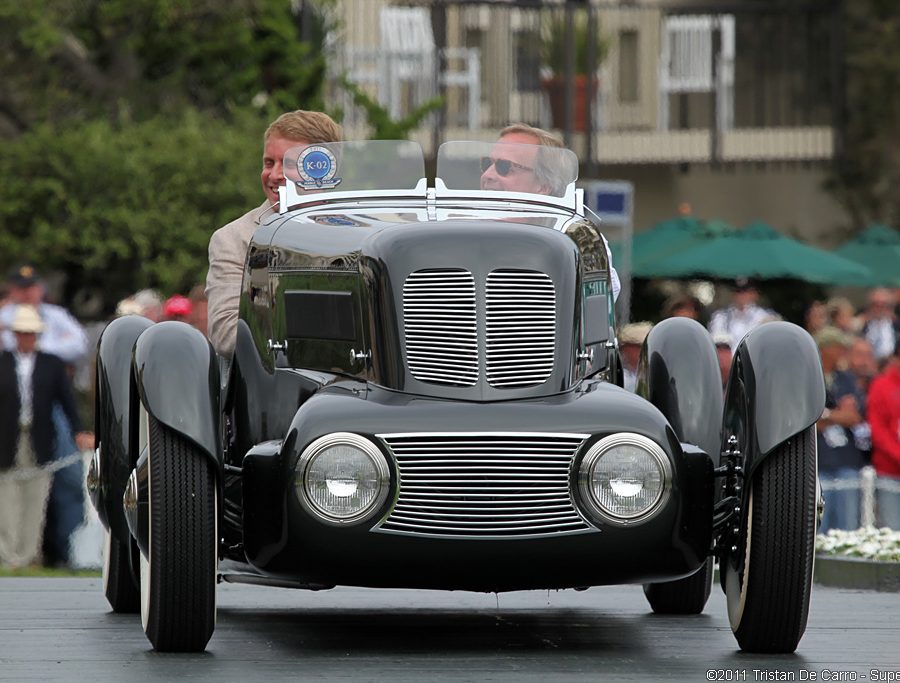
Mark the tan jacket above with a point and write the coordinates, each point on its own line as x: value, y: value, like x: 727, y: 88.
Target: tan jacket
x: 227, y: 256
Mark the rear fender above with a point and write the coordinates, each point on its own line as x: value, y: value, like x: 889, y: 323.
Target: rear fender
x: 776, y: 389
x: 679, y: 373
x: 112, y: 419
x: 177, y: 379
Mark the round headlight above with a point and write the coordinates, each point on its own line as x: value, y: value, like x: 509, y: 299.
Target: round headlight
x: 342, y: 478
x: 625, y: 477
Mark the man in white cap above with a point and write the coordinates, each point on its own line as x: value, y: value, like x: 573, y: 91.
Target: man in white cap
x: 63, y: 336
x: 742, y: 315
x: 31, y: 382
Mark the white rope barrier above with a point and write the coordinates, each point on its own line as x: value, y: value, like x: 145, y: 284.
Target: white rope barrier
x: 867, y: 480
x: 86, y: 541
x: 25, y: 473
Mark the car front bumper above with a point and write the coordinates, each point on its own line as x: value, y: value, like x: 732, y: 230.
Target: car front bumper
x: 571, y: 547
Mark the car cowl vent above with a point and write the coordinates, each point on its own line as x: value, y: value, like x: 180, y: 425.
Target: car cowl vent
x: 442, y: 327
x: 521, y: 327
x: 439, y: 319
x: 496, y: 484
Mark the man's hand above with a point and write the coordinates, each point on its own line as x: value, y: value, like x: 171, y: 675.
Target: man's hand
x: 84, y: 441
x: 846, y: 414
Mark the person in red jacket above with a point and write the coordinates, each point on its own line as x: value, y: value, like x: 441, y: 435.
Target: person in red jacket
x: 884, y: 419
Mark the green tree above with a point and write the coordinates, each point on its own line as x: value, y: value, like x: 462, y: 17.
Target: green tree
x: 867, y: 178
x: 118, y: 208
x: 379, y: 118
x: 131, y: 129
x: 62, y: 60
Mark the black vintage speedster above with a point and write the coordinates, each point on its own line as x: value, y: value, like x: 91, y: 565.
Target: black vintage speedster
x: 426, y: 393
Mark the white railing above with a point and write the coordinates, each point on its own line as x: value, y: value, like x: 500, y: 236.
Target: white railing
x: 868, y: 483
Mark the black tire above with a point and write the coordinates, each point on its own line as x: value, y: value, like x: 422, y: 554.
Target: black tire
x: 178, y: 578
x: 768, y: 602
x: 119, y: 585
x: 682, y: 596
x: 680, y: 353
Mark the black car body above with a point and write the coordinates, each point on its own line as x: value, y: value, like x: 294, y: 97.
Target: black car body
x: 426, y: 392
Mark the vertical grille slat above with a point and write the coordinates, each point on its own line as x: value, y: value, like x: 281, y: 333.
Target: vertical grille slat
x: 439, y: 319
x: 521, y: 328
x: 484, y: 485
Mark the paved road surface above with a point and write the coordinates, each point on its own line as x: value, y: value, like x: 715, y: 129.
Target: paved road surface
x: 61, y: 629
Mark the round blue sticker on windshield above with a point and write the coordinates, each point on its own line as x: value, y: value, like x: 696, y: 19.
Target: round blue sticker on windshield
x: 317, y: 167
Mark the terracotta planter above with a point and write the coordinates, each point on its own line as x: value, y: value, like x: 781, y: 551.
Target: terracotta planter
x: 582, y: 89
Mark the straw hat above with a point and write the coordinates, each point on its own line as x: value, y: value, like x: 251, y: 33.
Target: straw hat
x: 128, y: 306
x: 634, y: 333
x: 27, y: 320
x: 833, y: 336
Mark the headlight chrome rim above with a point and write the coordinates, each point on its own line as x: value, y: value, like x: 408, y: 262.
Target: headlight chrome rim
x: 314, y: 449
x: 598, y: 450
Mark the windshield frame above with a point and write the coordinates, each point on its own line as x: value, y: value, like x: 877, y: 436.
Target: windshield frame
x: 292, y: 196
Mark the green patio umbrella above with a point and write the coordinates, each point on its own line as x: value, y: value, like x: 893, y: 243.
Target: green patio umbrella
x: 666, y: 238
x: 878, y: 248
x: 689, y: 233
x: 759, y: 251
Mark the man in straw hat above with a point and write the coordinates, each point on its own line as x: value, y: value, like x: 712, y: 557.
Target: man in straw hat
x: 31, y: 382
x: 631, y: 338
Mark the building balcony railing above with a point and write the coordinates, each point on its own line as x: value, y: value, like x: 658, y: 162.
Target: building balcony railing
x: 706, y: 83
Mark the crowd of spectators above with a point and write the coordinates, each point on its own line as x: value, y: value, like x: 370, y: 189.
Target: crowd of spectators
x: 43, y: 350
x: 860, y: 426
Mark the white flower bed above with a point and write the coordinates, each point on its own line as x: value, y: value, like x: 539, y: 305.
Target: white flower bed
x: 868, y: 543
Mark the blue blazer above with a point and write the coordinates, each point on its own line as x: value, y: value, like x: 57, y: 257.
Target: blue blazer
x: 49, y: 385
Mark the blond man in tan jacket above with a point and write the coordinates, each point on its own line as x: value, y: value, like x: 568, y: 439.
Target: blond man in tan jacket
x: 228, y: 245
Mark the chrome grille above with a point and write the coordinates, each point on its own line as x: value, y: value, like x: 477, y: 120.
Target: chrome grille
x: 521, y: 327
x: 484, y: 484
x: 439, y: 319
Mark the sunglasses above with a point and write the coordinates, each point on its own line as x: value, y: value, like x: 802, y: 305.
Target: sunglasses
x: 502, y: 166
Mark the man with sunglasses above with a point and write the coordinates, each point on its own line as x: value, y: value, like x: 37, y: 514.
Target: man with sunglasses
x: 515, y: 167
x: 524, y: 159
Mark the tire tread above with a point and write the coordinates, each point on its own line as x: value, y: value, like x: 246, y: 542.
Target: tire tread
x: 182, y: 518
x: 682, y: 596
x: 783, y: 538
x: 122, y: 591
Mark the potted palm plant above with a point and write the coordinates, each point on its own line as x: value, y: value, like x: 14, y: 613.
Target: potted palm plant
x: 590, y: 49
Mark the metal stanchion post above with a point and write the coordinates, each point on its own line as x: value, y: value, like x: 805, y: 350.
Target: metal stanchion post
x: 867, y: 496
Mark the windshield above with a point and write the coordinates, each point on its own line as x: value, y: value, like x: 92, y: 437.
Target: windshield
x: 507, y: 167
x: 367, y: 165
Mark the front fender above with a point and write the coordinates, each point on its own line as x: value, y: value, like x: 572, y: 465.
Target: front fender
x: 112, y: 418
x: 776, y: 389
x: 177, y: 377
